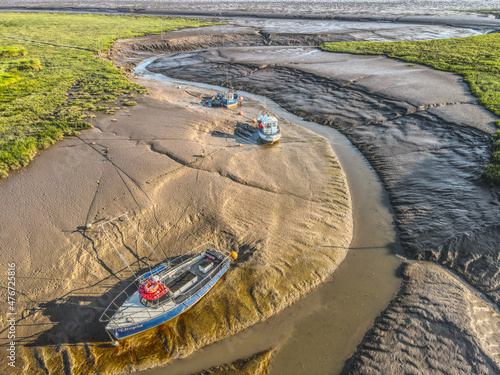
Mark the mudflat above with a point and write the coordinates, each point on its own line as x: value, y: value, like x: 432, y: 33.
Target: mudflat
x: 179, y: 170
x: 427, y: 138
x: 185, y: 177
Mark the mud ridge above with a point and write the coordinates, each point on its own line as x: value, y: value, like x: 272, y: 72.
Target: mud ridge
x: 426, y: 329
x: 154, y: 46
x: 257, y: 364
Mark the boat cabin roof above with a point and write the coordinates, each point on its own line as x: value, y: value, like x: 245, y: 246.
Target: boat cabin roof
x: 267, y: 119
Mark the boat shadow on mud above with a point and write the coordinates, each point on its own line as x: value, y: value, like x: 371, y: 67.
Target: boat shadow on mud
x: 243, y: 134
x: 75, y: 316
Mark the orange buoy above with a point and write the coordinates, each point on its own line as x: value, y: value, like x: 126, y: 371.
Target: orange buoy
x: 254, y: 120
x: 240, y: 113
x: 233, y: 255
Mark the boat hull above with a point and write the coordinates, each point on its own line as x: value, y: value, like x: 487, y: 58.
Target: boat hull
x: 269, y: 138
x: 232, y: 104
x: 121, y: 333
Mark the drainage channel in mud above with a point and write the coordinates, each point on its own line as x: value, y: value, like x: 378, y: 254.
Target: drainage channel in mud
x: 320, y: 331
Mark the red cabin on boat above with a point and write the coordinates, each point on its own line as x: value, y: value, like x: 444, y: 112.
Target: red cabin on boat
x: 152, y: 291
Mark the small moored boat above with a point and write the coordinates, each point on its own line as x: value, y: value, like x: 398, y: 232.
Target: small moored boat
x: 166, y: 291
x: 229, y: 99
x: 269, y: 130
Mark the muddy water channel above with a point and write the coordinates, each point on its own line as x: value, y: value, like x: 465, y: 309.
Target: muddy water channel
x: 427, y: 139
x: 318, y: 333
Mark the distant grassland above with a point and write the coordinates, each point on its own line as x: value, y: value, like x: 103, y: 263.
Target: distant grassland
x: 51, y: 78
x: 475, y: 58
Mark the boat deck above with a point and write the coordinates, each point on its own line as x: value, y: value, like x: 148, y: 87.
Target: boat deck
x: 134, y: 312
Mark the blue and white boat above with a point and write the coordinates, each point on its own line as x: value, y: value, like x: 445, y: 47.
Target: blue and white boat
x: 229, y: 99
x: 269, y: 130
x: 166, y: 291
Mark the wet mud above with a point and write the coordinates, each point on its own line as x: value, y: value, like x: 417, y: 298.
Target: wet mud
x: 421, y: 130
x: 331, y: 9
x: 185, y: 177
x: 428, y: 139
x: 412, y: 337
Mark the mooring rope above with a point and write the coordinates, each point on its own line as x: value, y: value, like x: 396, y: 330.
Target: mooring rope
x: 189, y: 165
x: 118, y: 169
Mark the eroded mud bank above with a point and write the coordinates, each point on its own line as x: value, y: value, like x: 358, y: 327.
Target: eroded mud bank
x: 421, y: 130
x: 428, y: 139
x: 283, y: 32
x: 180, y: 171
x: 414, y: 337
x: 258, y: 364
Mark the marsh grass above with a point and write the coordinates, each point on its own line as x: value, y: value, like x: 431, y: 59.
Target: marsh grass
x: 476, y: 59
x: 12, y: 51
x: 51, y: 76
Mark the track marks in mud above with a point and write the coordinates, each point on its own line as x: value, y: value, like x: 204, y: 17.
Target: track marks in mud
x: 225, y: 174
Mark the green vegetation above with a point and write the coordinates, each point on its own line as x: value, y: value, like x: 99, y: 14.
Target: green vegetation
x: 51, y: 77
x: 12, y: 51
x: 9, y: 66
x: 476, y: 58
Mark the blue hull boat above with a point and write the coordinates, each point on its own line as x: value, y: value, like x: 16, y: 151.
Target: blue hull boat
x: 166, y: 291
x: 229, y: 100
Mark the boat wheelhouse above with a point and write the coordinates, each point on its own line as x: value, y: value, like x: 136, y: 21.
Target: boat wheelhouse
x: 165, y: 291
x: 269, y: 130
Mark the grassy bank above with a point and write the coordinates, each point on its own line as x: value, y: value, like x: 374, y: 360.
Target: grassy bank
x: 51, y: 78
x: 476, y: 58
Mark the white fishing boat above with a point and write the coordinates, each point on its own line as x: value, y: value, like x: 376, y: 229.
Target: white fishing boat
x: 165, y: 291
x: 269, y: 130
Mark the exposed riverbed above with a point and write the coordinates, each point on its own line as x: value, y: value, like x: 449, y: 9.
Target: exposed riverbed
x: 422, y: 132
x: 319, y: 332
x: 405, y: 119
